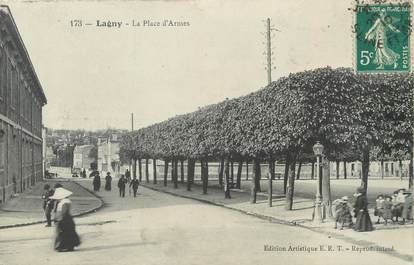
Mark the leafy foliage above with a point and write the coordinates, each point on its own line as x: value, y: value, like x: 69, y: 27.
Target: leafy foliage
x: 344, y: 111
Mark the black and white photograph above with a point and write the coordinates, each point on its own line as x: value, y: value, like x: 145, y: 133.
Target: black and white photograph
x: 206, y: 132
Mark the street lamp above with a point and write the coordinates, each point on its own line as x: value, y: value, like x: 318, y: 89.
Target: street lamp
x: 317, y: 211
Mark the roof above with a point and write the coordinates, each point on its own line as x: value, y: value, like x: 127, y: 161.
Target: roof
x: 5, y: 10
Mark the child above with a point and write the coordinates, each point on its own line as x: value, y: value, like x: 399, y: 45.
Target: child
x: 387, y: 211
x: 379, y: 207
x: 342, y: 212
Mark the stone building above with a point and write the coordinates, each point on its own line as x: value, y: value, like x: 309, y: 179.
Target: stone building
x: 83, y: 157
x: 21, y: 102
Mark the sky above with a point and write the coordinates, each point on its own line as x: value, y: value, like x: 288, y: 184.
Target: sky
x: 95, y: 77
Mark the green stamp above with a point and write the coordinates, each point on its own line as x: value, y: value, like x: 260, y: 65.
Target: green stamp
x: 383, y: 38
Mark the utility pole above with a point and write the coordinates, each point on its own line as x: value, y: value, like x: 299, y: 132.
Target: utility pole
x: 269, y: 29
x: 269, y: 52
x: 132, y: 122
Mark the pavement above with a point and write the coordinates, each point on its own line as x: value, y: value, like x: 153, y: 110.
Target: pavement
x: 158, y: 228
x: 401, y: 237
x: 26, y: 208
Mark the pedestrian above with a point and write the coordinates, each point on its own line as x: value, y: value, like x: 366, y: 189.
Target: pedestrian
x: 134, y: 184
x: 407, y: 212
x: 363, y: 221
x: 379, y: 207
x: 121, y: 186
x: 128, y: 175
x: 387, y: 211
x: 84, y: 173
x: 108, y: 180
x: 48, y: 203
x: 96, y: 182
x: 66, y: 237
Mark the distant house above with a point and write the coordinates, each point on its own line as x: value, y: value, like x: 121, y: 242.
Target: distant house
x: 83, y: 156
x: 108, y: 155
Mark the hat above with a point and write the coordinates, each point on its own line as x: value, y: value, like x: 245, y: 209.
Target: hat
x: 345, y: 198
x: 360, y: 190
x: 60, y: 193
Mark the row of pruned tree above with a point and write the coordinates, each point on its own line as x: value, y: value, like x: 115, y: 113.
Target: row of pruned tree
x: 355, y: 117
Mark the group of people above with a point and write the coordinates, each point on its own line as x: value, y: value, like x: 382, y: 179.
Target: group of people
x: 123, y: 181
x: 391, y: 207
x: 387, y: 207
x: 56, y: 201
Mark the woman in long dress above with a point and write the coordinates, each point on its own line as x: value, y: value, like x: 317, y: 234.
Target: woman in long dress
x: 363, y: 221
x: 384, y: 55
x: 66, y: 237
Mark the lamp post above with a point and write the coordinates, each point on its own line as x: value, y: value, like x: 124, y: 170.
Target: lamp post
x: 317, y: 211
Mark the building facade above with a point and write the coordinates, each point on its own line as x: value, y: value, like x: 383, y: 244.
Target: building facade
x: 21, y: 102
x: 82, y: 157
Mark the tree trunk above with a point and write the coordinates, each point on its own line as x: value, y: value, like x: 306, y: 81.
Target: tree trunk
x: 285, y: 177
x: 190, y: 173
x: 253, y: 188
x: 154, y: 168
x: 291, y: 187
x: 326, y: 189
x: 299, y: 168
x: 410, y: 171
x: 400, y: 169
x: 313, y: 170
x: 365, y: 169
x: 337, y: 169
x: 134, y: 168
x: 271, y: 177
x: 182, y: 171
x: 272, y: 168
x: 392, y: 169
x: 258, y: 174
x: 382, y: 169
x: 345, y: 176
x: 226, y: 180
x: 165, y: 172
x: 205, y: 177
x: 247, y: 169
x: 221, y: 171
x: 140, y: 169
x: 232, y: 172
x: 239, y: 172
x: 146, y: 171
x: 175, y: 173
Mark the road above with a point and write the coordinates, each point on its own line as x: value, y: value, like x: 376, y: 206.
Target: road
x: 157, y: 228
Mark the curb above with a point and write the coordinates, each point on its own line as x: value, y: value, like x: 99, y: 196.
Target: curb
x: 75, y: 215
x: 280, y: 221
x: 260, y: 216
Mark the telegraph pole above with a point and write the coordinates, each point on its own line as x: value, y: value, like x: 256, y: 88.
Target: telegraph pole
x: 132, y: 122
x: 269, y: 52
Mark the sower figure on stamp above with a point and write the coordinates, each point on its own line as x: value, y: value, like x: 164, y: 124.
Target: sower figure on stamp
x: 378, y: 33
x: 134, y: 184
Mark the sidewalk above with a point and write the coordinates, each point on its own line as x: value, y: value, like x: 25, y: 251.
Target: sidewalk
x: 26, y: 208
x: 393, y: 235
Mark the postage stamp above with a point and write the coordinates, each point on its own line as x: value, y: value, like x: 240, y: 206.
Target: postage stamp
x: 382, y: 34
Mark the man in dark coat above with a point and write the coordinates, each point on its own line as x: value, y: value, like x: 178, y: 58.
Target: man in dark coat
x: 108, y: 180
x: 127, y: 175
x: 121, y: 186
x: 48, y: 203
x: 134, y: 184
x: 96, y: 182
